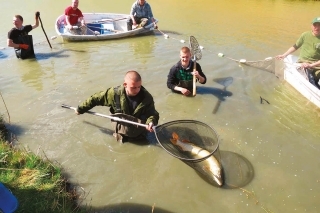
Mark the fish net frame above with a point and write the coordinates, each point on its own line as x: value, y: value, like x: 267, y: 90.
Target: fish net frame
x: 198, y: 133
x: 195, y: 48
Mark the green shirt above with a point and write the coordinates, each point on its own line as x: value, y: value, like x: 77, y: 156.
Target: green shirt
x: 309, y: 47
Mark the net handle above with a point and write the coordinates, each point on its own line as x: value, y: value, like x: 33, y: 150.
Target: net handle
x: 143, y: 125
x: 107, y: 116
x: 196, y: 55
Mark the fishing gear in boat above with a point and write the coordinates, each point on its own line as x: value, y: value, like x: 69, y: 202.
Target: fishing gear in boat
x: 196, y: 55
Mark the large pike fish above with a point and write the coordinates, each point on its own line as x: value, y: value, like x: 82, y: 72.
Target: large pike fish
x: 210, y: 165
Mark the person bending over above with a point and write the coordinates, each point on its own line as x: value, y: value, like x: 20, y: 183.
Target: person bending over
x: 130, y: 101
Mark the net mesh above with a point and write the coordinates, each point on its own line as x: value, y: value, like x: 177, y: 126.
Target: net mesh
x: 197, y: 133
x: 195, y: 48
x: 266, y: 65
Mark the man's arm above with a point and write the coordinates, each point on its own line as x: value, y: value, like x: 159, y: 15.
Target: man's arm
x: 11, y: 44
x: 312, y: 65
x: 289, y: 51
x: 98, y: 99
x: 172, y: 82
x: 37, y: 14
x: 81, y: 19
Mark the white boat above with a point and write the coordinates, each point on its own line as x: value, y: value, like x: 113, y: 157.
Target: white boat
x: 298, y: 81
x: 101, y: 26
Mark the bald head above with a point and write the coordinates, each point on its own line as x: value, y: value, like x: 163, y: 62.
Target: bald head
x: 75, y: 4
x: 132, y: 83
x: 132, y: 76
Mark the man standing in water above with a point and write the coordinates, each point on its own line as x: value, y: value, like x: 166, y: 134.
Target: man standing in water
x: 180, y: 78
x: 74, y: 17
x: 309, y: 57
x: 130, y: 101
x: 139, y: 11
x: 19, y: 39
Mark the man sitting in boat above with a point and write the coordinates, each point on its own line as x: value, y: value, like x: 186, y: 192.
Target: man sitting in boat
x: 74, y: 19
x: 130, y: 101
x: 19, y: 39
x: 180, y: 78
x: 140, y: 10
x: 309, y: 57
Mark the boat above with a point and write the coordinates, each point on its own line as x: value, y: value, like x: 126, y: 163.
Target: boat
x: 299, y: 81
x: 101, y: 26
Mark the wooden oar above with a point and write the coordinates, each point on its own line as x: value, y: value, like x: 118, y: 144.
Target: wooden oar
x: 45, y: 32
x: 107, y: 116
x: 108, y: 20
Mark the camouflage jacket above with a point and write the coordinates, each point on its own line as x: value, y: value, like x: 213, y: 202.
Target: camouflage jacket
x: 145, y: 111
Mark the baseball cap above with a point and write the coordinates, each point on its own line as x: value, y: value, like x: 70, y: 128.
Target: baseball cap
x: 316, y: 20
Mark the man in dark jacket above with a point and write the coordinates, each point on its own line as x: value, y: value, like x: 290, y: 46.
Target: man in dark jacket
x: 19, y: 39
x: 180, y: 77
x: 130, y: 101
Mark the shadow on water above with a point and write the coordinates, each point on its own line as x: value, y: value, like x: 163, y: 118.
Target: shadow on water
x: 219, y: 93
x: 237, y: 171
x: 2, y: 55
x: 225, y: 82
x: 58, y: 54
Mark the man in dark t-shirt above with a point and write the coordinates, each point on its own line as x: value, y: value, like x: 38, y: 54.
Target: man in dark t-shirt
x: 18, y: 37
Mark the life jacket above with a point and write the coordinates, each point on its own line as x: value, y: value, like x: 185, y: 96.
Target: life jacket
x: 22, y: 53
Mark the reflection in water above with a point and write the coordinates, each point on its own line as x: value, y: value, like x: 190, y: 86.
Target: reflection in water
x: 31, y: 73
x: 143, y: 47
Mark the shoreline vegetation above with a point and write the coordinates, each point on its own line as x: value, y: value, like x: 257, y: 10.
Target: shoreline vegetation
x: 38, y: 184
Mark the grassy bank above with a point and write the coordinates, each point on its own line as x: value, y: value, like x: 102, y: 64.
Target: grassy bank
x: 37, y: 183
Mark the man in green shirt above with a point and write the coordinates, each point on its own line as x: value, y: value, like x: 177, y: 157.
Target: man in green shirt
x: 309, y: 44
x: 130, y: 101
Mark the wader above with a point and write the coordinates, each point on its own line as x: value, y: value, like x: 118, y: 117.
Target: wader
x: 22, y: 53
x: 123, y: 129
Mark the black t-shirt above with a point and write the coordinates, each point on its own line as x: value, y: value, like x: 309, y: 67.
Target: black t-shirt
x: 134, y: 101
x: 14, y: 33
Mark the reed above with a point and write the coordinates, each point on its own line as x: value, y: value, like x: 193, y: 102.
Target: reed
x: 38, y: 184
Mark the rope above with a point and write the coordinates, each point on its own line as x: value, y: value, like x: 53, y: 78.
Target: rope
x: 243, y: 61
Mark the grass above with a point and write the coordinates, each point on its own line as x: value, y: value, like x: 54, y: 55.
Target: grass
x: 37, y: 183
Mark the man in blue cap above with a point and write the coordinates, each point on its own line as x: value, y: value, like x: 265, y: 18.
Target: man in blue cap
x: 309, y: 44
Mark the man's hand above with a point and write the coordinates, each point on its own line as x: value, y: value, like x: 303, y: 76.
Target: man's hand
x: 280, y: 57
x: 185, y: 92
x: 23, y: 46
x: 76, y: 111
x: 306, y: 65
x: 149, y: 127
x: 37, y: 14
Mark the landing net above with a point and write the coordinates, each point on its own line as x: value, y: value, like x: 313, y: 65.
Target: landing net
x: 190, y: 132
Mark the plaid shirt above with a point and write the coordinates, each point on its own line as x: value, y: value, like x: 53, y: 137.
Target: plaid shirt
x: 141, y: 11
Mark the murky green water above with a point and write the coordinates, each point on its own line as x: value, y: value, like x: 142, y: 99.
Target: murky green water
x: 270, y: 150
